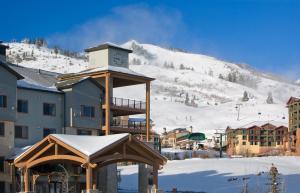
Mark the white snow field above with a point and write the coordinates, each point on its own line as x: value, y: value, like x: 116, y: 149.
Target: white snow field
x: 216, y: 175
x: 211, y: 97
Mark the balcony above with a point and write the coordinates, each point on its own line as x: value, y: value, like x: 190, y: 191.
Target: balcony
x: 124, y: 126
x: 122, y: 107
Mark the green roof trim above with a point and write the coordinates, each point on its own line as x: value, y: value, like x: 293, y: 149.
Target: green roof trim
x: 194, y: 136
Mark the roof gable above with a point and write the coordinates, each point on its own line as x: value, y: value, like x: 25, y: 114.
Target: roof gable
x: 90, y: 145
x: 292, y: 100
x: 10, y: 70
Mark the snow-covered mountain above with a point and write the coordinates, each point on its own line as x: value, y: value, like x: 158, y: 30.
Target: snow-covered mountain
x: 298, y: 82
x: 189, y: 90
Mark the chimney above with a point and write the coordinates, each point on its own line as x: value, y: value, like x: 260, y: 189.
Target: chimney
x: 3, y: 51
x: 108, y: 54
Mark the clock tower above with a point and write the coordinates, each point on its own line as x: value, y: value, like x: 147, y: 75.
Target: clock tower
x: 108, y: 54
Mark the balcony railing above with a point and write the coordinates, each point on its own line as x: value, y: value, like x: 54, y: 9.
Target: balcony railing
x: 134, y: 126
x: 128, y: 103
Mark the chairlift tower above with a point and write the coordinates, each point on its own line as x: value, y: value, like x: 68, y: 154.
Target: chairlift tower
x: 238, y: 109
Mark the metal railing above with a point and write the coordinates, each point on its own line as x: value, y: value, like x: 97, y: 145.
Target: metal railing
x: 128, y: 103
x: 129, y: 125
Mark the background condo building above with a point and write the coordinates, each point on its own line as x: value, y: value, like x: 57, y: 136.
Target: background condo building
x: 293, y: 106
x: 257, y: 138
x: 35, y: 103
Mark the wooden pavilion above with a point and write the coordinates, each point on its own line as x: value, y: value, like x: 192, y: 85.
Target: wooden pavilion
x: 88, y: 152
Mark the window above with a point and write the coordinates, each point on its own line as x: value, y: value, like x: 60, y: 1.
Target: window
x: 49, y: 109
x: 84, y: 132
x: 3, y: 101
x: 244, y: 143
x: 87, y: 111
x: 244, y: 137
x: 22, y: 106
x: 251, y: 143
x: 2, y: 186
x: 48, y: 131
x: 2, y: 164
x: 21, y: 132
x: 2, y: 129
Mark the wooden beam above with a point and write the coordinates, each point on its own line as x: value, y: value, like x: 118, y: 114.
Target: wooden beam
x: 148, y: 111
x: 47, y: 159
x: 56, y: 149
x: 107, y: 103
x: 40, y: 152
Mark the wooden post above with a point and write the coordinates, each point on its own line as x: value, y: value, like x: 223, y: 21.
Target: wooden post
x: 155, y: 177
x: 107, y: 109
x: 94, y: 179
x: 89, y: 177
x: 26, y: 180
x: 148, y: 111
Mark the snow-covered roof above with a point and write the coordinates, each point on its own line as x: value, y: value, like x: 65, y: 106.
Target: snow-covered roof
x: 112, y: 68
x: 18, y: 151
x: 107, y: 45
x: 36, y: 78
x: 261, y: 123
x: 89, y: 145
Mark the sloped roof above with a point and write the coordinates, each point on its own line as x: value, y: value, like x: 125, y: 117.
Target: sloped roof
x: 106, y: 68
x: 293, y: 99
x: 36, y: 79
x: 89, y: 149
x: 105, y: 46
x: 262, y: 123
x: 72, y: 82
x: 90, y: 145
x: 9, y: 69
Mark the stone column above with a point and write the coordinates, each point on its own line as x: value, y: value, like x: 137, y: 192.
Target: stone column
x: 107, y: 179
x: 143, y: 180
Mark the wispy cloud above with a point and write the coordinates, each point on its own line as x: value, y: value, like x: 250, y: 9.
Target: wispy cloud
x: 140, y: 22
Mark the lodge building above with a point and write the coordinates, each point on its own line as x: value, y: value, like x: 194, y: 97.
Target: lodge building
x: 257, y: 138
x: 36, y: 103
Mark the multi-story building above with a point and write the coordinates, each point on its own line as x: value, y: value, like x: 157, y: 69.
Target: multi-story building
x: 35, y: 103
x: 257, y: 138
x: 169, y: 139
x: 293, y: 106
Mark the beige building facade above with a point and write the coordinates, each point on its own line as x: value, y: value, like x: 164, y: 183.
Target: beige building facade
x: 257, y: 138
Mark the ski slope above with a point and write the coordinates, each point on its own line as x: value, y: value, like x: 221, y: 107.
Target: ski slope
x: 189, y: 90
x: 216, y: 175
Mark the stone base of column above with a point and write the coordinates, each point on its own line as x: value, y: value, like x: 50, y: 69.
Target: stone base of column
x: 91, y: 191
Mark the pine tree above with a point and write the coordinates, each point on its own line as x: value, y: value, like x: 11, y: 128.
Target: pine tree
x: 245, y: 96
x: 274, y: 180
x: 270, y: 98
x: 187, y: 99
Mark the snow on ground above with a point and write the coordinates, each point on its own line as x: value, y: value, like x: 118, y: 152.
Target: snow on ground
x: 214, y: 175
x: 216, y: 97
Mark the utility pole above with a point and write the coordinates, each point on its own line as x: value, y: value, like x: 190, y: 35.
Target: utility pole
x: 238, y: 108
x: 220, y: 142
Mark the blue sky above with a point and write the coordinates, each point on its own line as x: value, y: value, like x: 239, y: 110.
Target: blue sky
x: 264, y: 34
